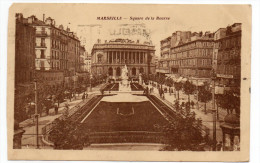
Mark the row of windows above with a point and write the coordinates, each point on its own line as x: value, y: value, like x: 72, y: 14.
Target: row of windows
x: 193, y: 45
x: 187, y: 62
x: 228, y: 43
x: 193, y: 72
x: 228, y: 69
x: 193, y: 53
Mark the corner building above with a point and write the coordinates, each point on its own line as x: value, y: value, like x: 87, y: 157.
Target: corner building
x: 108, y: 58
x: 227, y: 55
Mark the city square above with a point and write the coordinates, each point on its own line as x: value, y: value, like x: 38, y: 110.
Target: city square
x: 97, y: 88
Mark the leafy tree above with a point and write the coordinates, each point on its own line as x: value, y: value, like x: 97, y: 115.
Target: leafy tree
x: 178, y: 87
x: 188, y: 89
x: 48, y: 105
x: 184, y: 134
x: 68, y: 135
x: 160, y: 80
x: 204, y: 96
x: 230, y: 101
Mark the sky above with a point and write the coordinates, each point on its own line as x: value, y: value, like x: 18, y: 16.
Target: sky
x: 193, y: 18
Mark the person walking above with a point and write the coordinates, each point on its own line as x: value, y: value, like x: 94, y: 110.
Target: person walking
x: 56, y: 109
x: 83, y: 96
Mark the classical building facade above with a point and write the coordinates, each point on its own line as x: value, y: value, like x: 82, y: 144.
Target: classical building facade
x: 227, y: 55
x: 193, y: 58
x: 109, y: 57
x: 56, y: 49
x: 190, y: 55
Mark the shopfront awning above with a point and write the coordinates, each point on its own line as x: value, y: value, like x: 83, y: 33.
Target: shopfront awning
x: 184, y: 80
x: 179, y: 80
x: 197, y: 83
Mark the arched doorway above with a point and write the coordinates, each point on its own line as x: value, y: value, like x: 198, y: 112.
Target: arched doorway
x: 118, y: 71
x: 110, y: 71
x: 134, y: 71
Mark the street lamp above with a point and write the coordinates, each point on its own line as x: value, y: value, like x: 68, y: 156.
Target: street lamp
x: 36, y: 114
x: 90, y: 83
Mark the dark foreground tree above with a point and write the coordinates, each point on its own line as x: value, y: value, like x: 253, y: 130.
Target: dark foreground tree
x: 204, y: 96
x: 184, y: 134
x: 68, y: 135
x: 178, y: 87
x: 230, y: 101
x: 188, y: 89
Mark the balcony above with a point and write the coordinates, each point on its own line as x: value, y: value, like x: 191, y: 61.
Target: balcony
x: 41, y: 33
x: 42, y: 45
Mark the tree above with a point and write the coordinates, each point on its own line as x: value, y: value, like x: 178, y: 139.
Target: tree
x: 188, y: 89
x: 68, y: 135
x: 48, y: 105
x: 169, y: 83
x: 184, y: 134
x: 178, y: 87
x: 161, y: 80
x: 204, y: 96
x: 230, y: 101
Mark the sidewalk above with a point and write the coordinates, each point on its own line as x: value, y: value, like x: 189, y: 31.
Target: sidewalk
x: 207, y: 119
x: 29, y: 138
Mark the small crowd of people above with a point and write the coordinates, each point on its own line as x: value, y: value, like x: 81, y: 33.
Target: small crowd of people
x: 84, y: 96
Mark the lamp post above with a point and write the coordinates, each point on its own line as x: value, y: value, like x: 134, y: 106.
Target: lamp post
x: 213, y: 109
x: 197, y: 80
x: 36, y: 114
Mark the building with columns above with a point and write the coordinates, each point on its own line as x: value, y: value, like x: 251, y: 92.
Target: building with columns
x: 108, y: 58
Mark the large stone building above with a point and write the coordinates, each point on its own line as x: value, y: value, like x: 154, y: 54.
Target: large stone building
x: 24, y: 51
x: 190, y: 55
x: 56, y: 50
x: 108, y: 58
x: 165, y: 54
x: 24, y: 67
x: 87, y: 62
x: 227, y: 55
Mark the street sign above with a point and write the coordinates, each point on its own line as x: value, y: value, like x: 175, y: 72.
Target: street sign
x: 224, y: 76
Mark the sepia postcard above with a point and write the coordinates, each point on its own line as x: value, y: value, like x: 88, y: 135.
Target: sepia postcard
x: 129, y: 82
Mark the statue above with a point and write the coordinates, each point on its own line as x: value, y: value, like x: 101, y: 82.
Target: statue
x: 124, y: 76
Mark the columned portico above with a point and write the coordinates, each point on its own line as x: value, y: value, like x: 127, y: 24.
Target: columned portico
x: 115, y: 55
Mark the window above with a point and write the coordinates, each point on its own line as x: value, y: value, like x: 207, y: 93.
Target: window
x: 134, y: 71
x: 42, y: 54
x: 99, y: 59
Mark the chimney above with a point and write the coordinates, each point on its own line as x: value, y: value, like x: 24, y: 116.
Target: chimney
x: 19, y: 16
x: 43, y: 17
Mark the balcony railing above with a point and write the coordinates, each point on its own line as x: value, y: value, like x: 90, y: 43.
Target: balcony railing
x: 42, y: 45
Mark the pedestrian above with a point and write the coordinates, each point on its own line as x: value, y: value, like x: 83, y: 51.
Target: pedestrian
x: 86, y: 95
x: 163, y: 95
x: 66, y: 110
x: 83, y: 96
x: 56, y: 109
x: 219, y: 146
